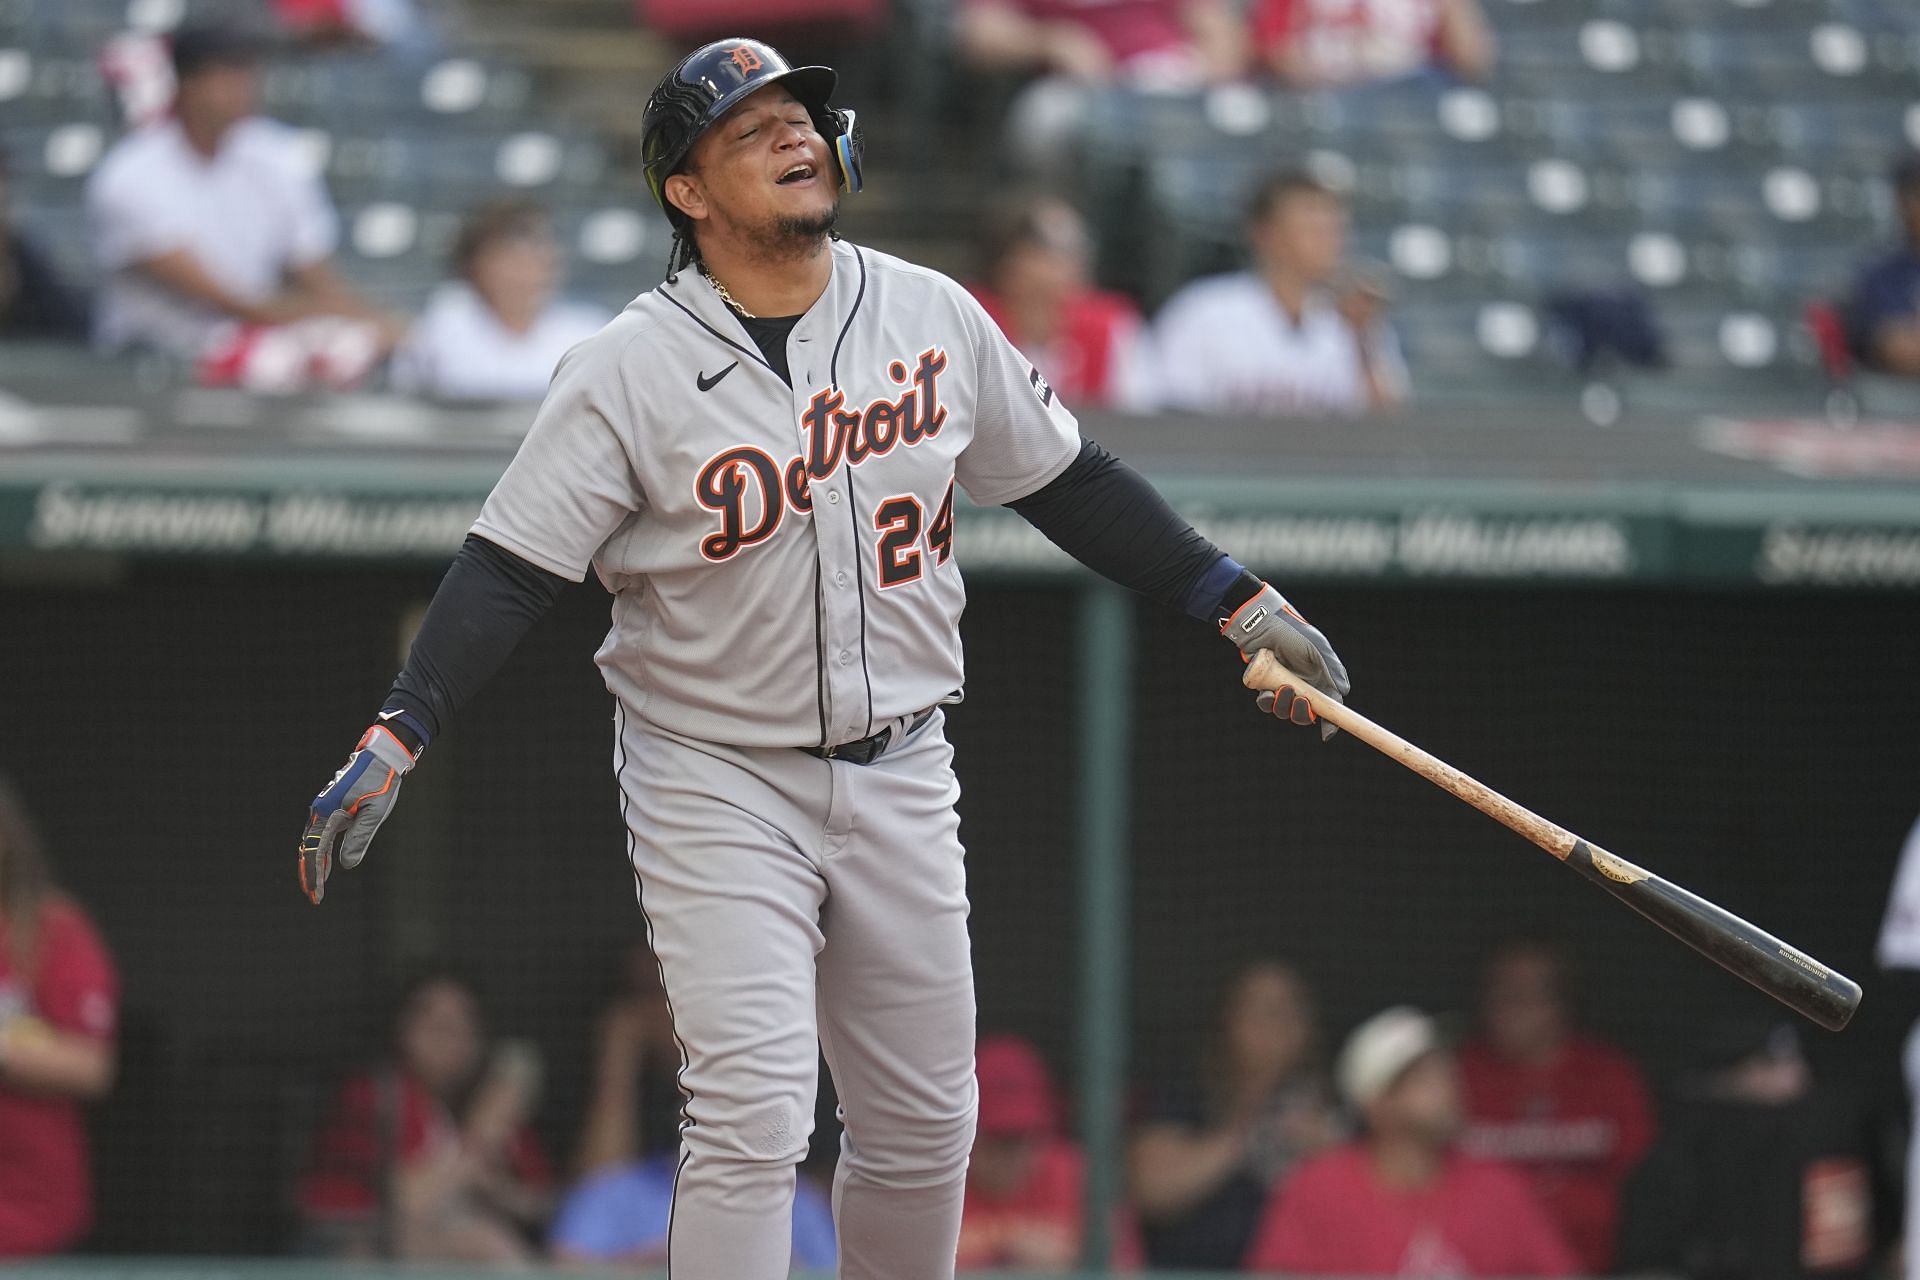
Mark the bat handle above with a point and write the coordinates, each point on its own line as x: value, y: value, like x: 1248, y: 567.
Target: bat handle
x: 1265, y: 671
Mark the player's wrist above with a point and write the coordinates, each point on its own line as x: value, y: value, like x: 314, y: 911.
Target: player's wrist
x: 405, y: 728
x: 1241, y: 592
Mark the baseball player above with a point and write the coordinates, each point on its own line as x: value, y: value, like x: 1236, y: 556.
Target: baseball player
x: 758, y: 458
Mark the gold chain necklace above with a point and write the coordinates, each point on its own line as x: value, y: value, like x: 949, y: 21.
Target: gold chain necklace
x: 725, y: 296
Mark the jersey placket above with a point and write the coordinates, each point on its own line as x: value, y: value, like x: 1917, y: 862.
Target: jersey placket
x: 840, y: 655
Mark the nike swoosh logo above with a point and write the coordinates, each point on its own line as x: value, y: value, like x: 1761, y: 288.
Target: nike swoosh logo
x: 705, y: 383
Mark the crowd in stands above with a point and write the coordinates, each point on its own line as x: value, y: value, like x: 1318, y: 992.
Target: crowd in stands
x: 213, y: 242
x: 1523, y: 1146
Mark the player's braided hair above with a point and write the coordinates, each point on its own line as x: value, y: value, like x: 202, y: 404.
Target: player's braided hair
x: 685, y: 253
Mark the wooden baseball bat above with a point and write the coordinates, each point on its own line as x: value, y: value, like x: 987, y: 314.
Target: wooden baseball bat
x: 1787, y: 974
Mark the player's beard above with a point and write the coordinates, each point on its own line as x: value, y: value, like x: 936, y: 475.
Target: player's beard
x: 793, y: 235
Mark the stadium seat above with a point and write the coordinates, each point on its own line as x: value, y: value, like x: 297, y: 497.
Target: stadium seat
x: 1599, y: 59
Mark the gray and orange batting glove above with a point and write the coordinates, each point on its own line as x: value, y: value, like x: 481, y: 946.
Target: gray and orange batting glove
x: 344, y: 816
x: 1267, y: 621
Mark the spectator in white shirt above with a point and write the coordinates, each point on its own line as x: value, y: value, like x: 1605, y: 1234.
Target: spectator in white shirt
x: 497, y: 331
x: 1300, y: 333
x: 208, y: 222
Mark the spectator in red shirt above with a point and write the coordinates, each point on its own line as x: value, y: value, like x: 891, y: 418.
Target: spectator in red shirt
x: 1075, y: 47
x: 1035, y: 269
x: 1322, y: 44
x: 1401, y: 1201
x: 1569, y: 1111
x: 59, y: 999
x: 430, y: 1158
x: 1023, y: 1205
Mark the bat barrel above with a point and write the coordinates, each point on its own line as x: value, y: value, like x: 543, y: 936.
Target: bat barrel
x: 1784, y: 972
x: 1790, y: 976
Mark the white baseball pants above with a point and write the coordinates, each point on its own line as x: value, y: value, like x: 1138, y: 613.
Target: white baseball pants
x: 794, y: 901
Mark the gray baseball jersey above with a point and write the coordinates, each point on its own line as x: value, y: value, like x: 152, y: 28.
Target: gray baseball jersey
x: 781, y: 557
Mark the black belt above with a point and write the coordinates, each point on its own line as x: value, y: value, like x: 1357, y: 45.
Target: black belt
x: 869, y: 749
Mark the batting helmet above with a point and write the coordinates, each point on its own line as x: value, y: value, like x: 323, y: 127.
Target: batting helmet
x: 711, y: 81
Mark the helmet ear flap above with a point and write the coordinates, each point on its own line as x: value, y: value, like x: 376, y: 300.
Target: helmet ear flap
x: 849, y: 147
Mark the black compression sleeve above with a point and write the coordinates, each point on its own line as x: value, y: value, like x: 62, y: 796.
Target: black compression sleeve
x: 488, y: 601
x: 1104, y: 514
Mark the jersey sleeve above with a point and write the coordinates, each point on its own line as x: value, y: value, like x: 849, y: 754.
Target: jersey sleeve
x: 572, y: 483
x: 131, y: 220
x: 1023, y: 435
x: 1274, y: 23
x: 1389, y: 362
x: 316, y: 227
x: 78, y: 990
x: 343, y: 1175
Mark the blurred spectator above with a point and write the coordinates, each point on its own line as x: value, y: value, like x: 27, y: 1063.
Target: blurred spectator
x: 497, y: 331
x: 59, y: 1000
x: 1314, y: 44
x: 1076, y: 47
x: 621, y: 1214
x: 1567, y: 1110
x: 209, y: 228
x: 1202, y: 1165
x: 1884, y: 310
x: 1758, y: 1174
x: 1025, y: 1205
x: 33, y: 302
x: 630, y: 1141
x: 1035, y: 269
x: 430, y: 1158
x: 1300, y: 333
x: 1401, y: 1201
x: 634, y: 1110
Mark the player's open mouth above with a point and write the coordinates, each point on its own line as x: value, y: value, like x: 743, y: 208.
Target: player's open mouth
x: 798, y: 173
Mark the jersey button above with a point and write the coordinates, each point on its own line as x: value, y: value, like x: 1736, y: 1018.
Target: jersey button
x: 833, y: 497
x: 840, y: 578
x: 846, y: 656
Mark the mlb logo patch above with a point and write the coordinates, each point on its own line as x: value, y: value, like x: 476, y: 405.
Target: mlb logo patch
x: 1040, y: 387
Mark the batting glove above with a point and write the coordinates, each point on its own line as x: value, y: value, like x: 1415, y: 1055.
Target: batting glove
x: 344, y: 816
x: 1267, y: 621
